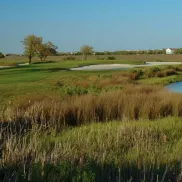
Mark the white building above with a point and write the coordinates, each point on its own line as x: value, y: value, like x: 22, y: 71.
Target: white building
x: 170, y: 51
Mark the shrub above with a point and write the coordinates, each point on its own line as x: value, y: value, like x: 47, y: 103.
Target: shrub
x: 154, y: 70
x: 1, y: 55
x: 170, y: 72
x: 167, y: 72
x: 59, y: 84
x: 151, y: 72
x: 69, y: 58
x: 136, y: 74
x: 111, y: 58
x: 93, y: 90
x: 161, y: 74
x: 179, y: 68
x: 100, y: 58
x: 75, y: 91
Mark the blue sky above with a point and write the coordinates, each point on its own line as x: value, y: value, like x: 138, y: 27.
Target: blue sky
x: 104, y: 24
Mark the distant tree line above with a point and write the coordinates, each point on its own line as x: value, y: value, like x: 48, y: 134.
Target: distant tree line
x: 1, y: 55
x: 178, y: 51
x: 9, y: 54
x: 163, y: 51
x: 124, y: 52
x: 34, y: 46
x: 85, y: 50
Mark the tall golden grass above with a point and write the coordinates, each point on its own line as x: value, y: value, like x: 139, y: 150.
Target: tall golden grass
x: 35, y: 134
x: 110, y: 80
x: 132, y: 102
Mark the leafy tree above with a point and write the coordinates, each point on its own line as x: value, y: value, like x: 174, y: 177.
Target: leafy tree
x: 34, y: 46
x: 41, y: 51
x: 86, y: 50
x: 51, y: 48
x: 1, y: 55
x: 178, y: 51
x: 31, y: 45
x: 46, y: 49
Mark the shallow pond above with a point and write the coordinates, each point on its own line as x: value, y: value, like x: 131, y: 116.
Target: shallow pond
x: 175, y: 87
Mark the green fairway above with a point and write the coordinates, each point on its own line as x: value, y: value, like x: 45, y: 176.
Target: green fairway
x: 69, y: 63
x: 44, y: 78
x: 40, y: 78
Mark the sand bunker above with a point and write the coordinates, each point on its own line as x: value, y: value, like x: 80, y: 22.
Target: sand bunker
x: 122, y: 66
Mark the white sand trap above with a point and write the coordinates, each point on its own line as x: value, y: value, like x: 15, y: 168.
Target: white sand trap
x: 22, y: 64
x: 5, y: 66
x: 122, y: 66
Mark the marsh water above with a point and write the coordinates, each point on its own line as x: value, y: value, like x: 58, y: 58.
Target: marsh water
x: 175, y: 87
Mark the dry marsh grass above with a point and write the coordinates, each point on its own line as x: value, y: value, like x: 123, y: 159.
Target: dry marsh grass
x: 132, y: 102
x: 119, y: 135
x: 127, y: 77
x: 160, y: 73
x: 111, y: 80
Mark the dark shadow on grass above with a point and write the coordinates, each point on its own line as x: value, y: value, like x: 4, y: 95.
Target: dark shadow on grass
x: 19, y: 70
x: 44, y: 62
x: 57, y: 69
x: 29, y: 69
x: 88, y: 170
x: 18, y: 66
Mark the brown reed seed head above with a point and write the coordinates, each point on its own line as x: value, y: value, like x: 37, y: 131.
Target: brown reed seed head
x: 165, y: 138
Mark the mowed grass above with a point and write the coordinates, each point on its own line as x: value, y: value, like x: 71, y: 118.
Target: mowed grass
x: 39, y: 70
x: 51, y: 78
x: 40, y: 79
x: 13, y: 61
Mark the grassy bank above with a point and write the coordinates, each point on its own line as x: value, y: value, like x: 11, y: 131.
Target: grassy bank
x: 124, y: 151
x: 63, y: 125
x: 133, y: 102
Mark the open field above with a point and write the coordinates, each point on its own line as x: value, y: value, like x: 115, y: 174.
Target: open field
x: 90, y: 126
x: 53, y: 78
x: 125, y: 59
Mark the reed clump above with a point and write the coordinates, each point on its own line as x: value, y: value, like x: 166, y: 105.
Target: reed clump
x: 133, y: 102
x: 156, y: 72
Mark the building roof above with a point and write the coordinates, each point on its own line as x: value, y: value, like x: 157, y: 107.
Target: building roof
x: 173, y: 49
